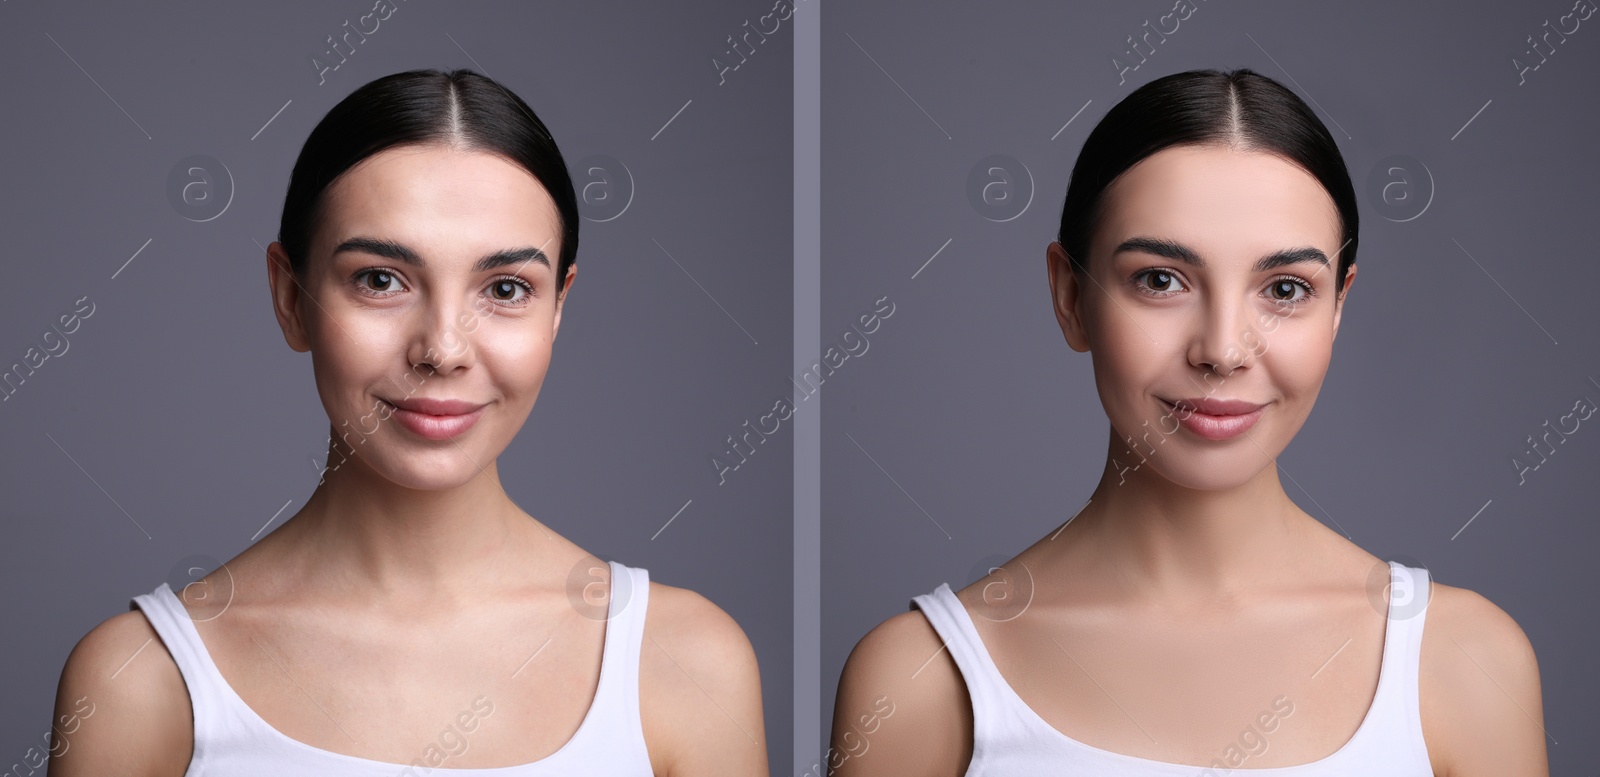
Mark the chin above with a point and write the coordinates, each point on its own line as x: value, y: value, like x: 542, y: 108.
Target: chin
x: 1216, y: 473
x: 449, y: 470
x: 436, y: 480
x: 1195, y: 463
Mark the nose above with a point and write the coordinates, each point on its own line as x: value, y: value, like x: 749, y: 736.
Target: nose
x: 1225, y: 338
x: 441, y: 336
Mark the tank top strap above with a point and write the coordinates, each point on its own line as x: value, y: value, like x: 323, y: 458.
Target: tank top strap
x: 618, y: 690
x: 211, y: 699
x: 995, y: 718
x: 1397, y: 708
x: 1389, y: 738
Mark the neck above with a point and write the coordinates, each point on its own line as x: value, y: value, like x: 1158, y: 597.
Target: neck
x: 373, y: 540
x: 1147, y: 534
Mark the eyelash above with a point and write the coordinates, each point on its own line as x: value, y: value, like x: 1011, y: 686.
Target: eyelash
x: 356, y: 280
x: 1138, y: 278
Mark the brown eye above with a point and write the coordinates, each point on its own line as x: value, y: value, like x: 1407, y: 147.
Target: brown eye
x: 373, y: 281
x: 510, y: 290
x: 1289, y: 291
x: 1158, y: 283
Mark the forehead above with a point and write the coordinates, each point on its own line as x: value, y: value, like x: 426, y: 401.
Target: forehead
x: 438, y: 196
x: 1227, y: 204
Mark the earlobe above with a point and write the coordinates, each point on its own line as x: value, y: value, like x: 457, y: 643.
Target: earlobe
x: 286, y: 294
x: 1064, y: 296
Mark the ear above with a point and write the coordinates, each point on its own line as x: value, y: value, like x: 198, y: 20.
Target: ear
x: 566, y: 288
x: 1064, y: 293
x: 1338, y: 304
x: 286, y: 294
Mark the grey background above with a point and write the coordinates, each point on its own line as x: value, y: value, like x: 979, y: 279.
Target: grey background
x: 971, y: 401
x: 178, y: 423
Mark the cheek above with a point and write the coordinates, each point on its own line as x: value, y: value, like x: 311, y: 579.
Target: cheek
x: 1129, y: 348
x: 353, y: 353
x: 1297, y: 357
x: 518, y: 356
x: 1129, y: 357
x: 351, y: 346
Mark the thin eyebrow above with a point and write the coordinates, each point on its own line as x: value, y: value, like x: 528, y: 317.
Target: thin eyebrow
x: 1182, y: 253
x: 389, y: 249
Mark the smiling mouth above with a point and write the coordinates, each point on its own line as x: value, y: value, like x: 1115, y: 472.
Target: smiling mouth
x: 435, y: 427
x: 1227, y: 418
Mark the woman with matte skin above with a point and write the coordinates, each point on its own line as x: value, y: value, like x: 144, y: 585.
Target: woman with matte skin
x: 1191, y: 619
x: 410, y: 618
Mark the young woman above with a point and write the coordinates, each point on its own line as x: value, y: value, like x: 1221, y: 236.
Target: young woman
x: 1191, y: 619
x: 411, y: 619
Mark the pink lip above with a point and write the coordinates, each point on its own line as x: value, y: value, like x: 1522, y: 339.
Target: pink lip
x: 436, y: 419
x: 1216, y: 419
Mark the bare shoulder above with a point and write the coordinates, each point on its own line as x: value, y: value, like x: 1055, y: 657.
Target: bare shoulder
x: 687, y: 617
x: 686, y: 631
x: 1482, y: 708
x: 700, y: 687
x: 902, y: 707
x: 121, y: 705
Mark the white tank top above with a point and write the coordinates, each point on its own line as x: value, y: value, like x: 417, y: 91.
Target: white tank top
x: 231, y: 740
x: 1010, y: 738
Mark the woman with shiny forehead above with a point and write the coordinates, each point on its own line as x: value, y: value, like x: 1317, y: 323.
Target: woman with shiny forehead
x: 411, y: 619
x: 1191, y: 619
